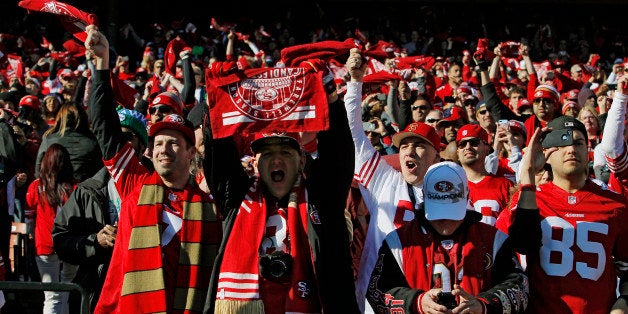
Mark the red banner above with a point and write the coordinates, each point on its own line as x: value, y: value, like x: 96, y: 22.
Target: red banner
x: 74, y: 20
x: 276, y: 99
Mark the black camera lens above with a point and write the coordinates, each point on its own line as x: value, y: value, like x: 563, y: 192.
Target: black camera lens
x: 276, y: 267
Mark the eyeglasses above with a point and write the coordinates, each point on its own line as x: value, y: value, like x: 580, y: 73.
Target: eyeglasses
x: 432, y: 120
x: 474, y: 141
x: 421, y: 107
x: 483, y: 111
x: 160, y: 108
x: 469, y: 103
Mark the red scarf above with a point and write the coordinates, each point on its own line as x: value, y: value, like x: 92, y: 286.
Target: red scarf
x: 143, y: 286
x: 239, y: 279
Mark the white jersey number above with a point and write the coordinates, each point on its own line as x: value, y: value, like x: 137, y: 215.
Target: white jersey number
x: 563, y: 246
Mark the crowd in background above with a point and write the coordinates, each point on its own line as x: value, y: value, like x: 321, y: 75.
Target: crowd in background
x: 484, y: 84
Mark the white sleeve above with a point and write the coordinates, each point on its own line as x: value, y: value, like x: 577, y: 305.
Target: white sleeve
x: 364, y: 150
x: 491, y: 163
x: 612, y: 143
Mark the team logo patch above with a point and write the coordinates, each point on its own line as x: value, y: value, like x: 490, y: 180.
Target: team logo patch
x: 269, y: 96
x: 304, y: 289
x: 315, y: 218
x: 443, y: 186
x: 571, y: 199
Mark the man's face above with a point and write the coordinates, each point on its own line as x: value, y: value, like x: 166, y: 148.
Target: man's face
x: 172, y: 155
x: 374, y: 137
x: 486, y: 120
x: 455, y: 74
x: 471, y: 151
x: 415, y: 156
x: 158, y: 112
x: 432, y: 119
x: 420, y: 108
x: 514, y: 99
x: 543, y: 109
x: 31, y: 88
x: 278, y: 167
x: 571, y: 162
x: 450, y: 129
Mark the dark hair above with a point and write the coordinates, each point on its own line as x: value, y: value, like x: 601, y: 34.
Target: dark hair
x: 71, y: 115
x: 56, y: 177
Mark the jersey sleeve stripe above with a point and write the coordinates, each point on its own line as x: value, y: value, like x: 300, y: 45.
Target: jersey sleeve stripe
x: 368, y: 169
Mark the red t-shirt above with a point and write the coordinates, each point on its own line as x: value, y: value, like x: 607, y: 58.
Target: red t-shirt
x: 489, y: 197
x: 583, y: 235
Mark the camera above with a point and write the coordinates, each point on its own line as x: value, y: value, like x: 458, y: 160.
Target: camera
x: 447, y: 299
x: 557, y: 138
x: 276, y: 267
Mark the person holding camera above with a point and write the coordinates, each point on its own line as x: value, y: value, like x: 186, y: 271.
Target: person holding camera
x: 286, y: 243
x: 571, y: 229
x: 446, y: 259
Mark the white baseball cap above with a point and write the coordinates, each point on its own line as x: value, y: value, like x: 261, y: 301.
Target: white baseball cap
x: 445, y: 191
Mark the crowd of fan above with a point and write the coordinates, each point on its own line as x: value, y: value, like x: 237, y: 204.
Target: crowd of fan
x: 483, y: 100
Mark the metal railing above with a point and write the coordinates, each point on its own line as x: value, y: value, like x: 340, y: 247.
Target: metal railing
x: 48, y: 286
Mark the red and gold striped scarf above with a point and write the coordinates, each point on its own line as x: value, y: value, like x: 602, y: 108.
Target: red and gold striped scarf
x: 239, y: 279
x: 143, y: 287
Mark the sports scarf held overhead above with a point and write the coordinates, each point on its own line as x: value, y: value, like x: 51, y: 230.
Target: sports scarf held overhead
x: 143, y: 287
x: 239, y: 279
x: 74, y: 20
x: 265, y: 100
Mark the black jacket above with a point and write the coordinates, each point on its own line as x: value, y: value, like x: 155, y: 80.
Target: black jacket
x: 84, y: 152
x: 328, y: 180
x: 74, y: 233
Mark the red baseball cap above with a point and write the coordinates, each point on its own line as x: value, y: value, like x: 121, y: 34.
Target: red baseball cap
x: 418, y: 129
x: 472, y: 130
x: 173, y: 122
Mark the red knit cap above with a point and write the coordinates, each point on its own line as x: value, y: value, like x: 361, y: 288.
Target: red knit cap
x: 546, y: 91
x: 169, y: 99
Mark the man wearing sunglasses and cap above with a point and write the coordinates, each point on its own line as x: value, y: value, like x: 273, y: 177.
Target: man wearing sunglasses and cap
x: 168, y: 228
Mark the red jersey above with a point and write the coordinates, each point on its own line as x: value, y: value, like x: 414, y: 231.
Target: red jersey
x: 583, y: 235
x: 504, y: 170
x: 489, y: 196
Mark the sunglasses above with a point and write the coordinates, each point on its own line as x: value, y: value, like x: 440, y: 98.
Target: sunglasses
x: 432, y: 120
x: 474, y: 141
x: 483, y: 111
x: 160, y: 108
x: 422, y: 107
